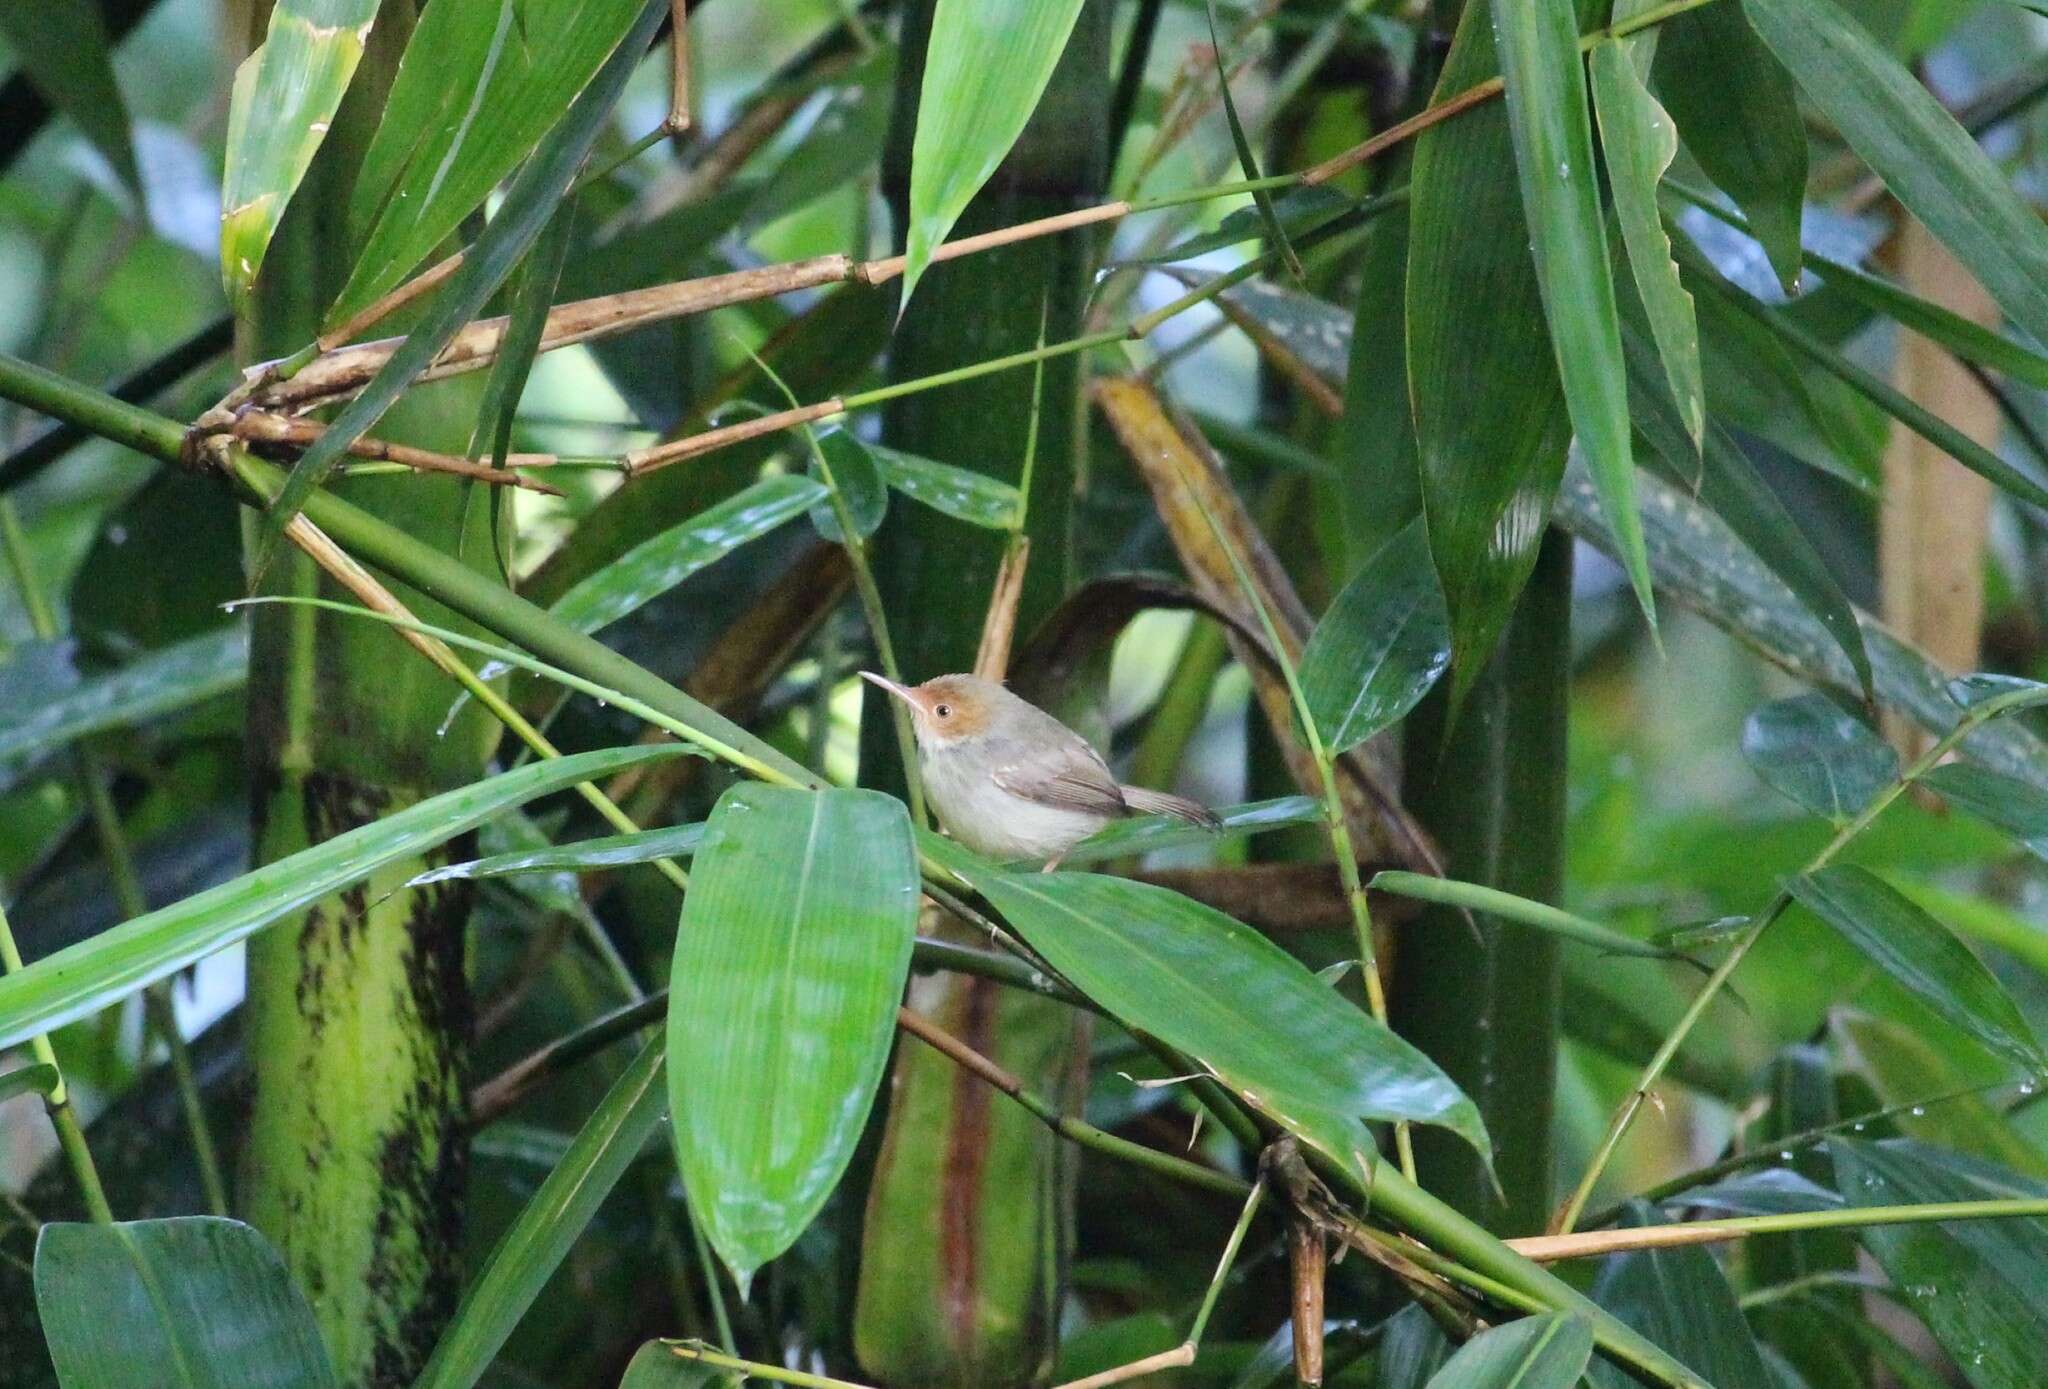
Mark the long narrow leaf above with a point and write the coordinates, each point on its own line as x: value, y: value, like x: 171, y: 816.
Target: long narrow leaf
x: 1928, y: 161
x: 985, y: 66
x: 1547, y: 1352
x: 1243, y: 1007
x: 1920, y: 953
x: 162, y: 682
x: 285, y: 97
x: 1383, y: 643
x: 1640, y: 142
x: 1553, y: 140
x: 63, y: 52
x: 584, y: 856
x: 480, y: 83
x: 1508, y: 907
x: 88, y: 976
x: 523, y: 1261
x: 528, y: 205
x: 1247, y: 158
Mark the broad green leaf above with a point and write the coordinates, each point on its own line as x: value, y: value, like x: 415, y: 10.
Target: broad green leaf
x: 149, y: 687
x: 1679, y: 1299
x: 961, y: 493
x: 1553, y: 141
x: 62, y: 51
x: 83, y: 978
x: 1217, y: 990
x: 195, y: 1302
x: 1818, y: 755
x: 856, y: 479
x: 285, y: 96
x: 1980, y: 1285
x: 985, y: 66
x: 1639, y: 142
x: 2018, y: 807
x: 584, y: 856
x: 1374, y: 443
x: 1547, y: 1352
x: 1143, y: 834
x: 1928, y: 161
x: 655, y: 1366
x: 1247, y: 158
x: 1380, y: 647
x: 529, y: 204
x: 1772, y: 1191
x: 1739, y: 114
x: 1490, y: 460
x: 1922, y: 955
x: 790, y: 960
x: 22, y: 1080
x: 481, y: 82
x: 1541, y: 916
x: 549, y: 1224
x: 655, y: 566
x: 1969, y: 691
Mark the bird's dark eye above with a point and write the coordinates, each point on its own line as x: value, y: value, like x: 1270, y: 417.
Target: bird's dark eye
x: 943, y: 711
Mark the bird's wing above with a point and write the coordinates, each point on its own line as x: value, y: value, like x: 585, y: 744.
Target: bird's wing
x: 1074, y: 778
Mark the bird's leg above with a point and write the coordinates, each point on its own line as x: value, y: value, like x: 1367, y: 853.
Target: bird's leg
x: 1053, y: 862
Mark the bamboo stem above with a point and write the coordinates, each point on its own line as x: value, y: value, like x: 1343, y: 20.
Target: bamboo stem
x: 1631, y: 1105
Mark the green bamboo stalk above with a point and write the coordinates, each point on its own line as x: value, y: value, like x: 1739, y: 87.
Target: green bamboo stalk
x: 1624, y: 1115
x: 57, y: 1102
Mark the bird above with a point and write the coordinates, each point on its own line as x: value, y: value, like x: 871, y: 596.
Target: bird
x: 1009, y: 780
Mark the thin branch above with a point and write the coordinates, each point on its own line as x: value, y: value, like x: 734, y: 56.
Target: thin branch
x: 678, y: 121
x: 256, y: 426
x: 1590, y: 1243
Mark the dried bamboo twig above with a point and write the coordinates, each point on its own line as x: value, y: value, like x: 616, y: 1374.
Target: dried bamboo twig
x: 259, y: 427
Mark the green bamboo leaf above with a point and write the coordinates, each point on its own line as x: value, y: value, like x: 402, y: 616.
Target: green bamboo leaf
x: 2018, y: 807
x: 529, y: 203
x: 1548, y: 1352
x: 1213, y: 988
x: 1922, y: 955
x: 2016, y: 692
x: 961, y: 493
x: 284, y: 99
x: 531, y: 295
x: 1383, y: 643
x: 583, y: 856
x: 1906, y: 1068
x: 1553, y: 141
x: 195, y: 1302
x: 655, y: 566
x: 22, y: 1080
x: 1882, y: 394
x: 1739, y: 114
x: 1818, y: 755
x: 1490, y: 461
x: 480, y: 83
x: 1716, y: 470
x: 83, y: 978
x: 1247, y: 158
x: 162, y: 682
x: 1639, y: 142
x: 985, y: 66
x: 1967, y: 339
x: 858, y: 481
x: 1928, y: 161
x: 1144, y: 834
x: 1508, y: 907
x: 1680, y: 1299
x: 62, y: 51
x: 1412, y: 1348
x: 794, y: 945
x: 1980, y: 1285
x: 530, y: 1252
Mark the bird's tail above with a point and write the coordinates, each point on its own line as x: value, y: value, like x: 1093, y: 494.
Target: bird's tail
x: 1144, y: 802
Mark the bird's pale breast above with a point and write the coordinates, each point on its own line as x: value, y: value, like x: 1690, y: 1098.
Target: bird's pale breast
x: 995, y: 822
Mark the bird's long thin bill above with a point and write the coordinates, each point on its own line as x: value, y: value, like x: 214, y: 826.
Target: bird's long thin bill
x: 890, y: 685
